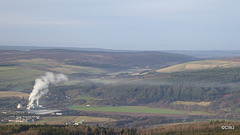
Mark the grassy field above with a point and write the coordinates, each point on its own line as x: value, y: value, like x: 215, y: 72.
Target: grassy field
x: 18, y: 76
x: 105, y: 81
x: 70, y: 82
x: 134, y: 109
x: 38, y: 62
x: 64, y: 119
x: 86, y: 97
x: 236, y: 110
x: 52, y: 65
x: 199, y: 113
x: 192, y: 103
x: 13, y: 94
x: 56, y: 120
x: 93, y: 119
x: 196, y: 65
x: 70, y: 69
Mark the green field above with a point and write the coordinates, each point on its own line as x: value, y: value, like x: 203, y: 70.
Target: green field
x: 87, y: 98
x: 52, y: 65
x: 134, y: 109
x: 18, y: 77
x: 236, y: 110
x: 105, y: 81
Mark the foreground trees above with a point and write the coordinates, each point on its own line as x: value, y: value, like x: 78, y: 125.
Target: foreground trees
x: 213, y: 127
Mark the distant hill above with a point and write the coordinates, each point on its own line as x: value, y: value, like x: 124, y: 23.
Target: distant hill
x: 205, y: 64
x: 29, y: 48
x: 109, y: 60
x: 207, y: 54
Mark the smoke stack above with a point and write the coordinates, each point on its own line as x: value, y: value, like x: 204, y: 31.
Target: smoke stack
x: 37, y: 102
x: 40, y: 87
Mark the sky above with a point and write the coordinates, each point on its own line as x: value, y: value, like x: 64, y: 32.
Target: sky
x: 122, y: 24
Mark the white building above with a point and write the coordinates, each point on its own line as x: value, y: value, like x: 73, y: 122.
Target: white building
x: 19, y: 106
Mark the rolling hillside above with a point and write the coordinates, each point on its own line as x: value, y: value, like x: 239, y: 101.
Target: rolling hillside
x: 109, y: 60
x: 18, y: 69
x: 206, y: 64
x: 100, y: 79
x: 216, y: 89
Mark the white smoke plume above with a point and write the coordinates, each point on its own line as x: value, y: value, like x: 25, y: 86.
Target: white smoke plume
x: 40, y: 87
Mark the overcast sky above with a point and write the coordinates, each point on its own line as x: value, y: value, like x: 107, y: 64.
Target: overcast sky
x: 122, y: 24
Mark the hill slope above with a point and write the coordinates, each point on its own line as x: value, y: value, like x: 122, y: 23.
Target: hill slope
x: 206, y: 64
x: 99, y: 59
x: 219, y: 88
x: 18, y: 69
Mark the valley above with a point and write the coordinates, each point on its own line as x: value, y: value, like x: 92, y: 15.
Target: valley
x: 124, y: 89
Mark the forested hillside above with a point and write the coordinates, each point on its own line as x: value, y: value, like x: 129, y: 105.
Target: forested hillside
x: 212, y: 85
x: 213, y: 127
